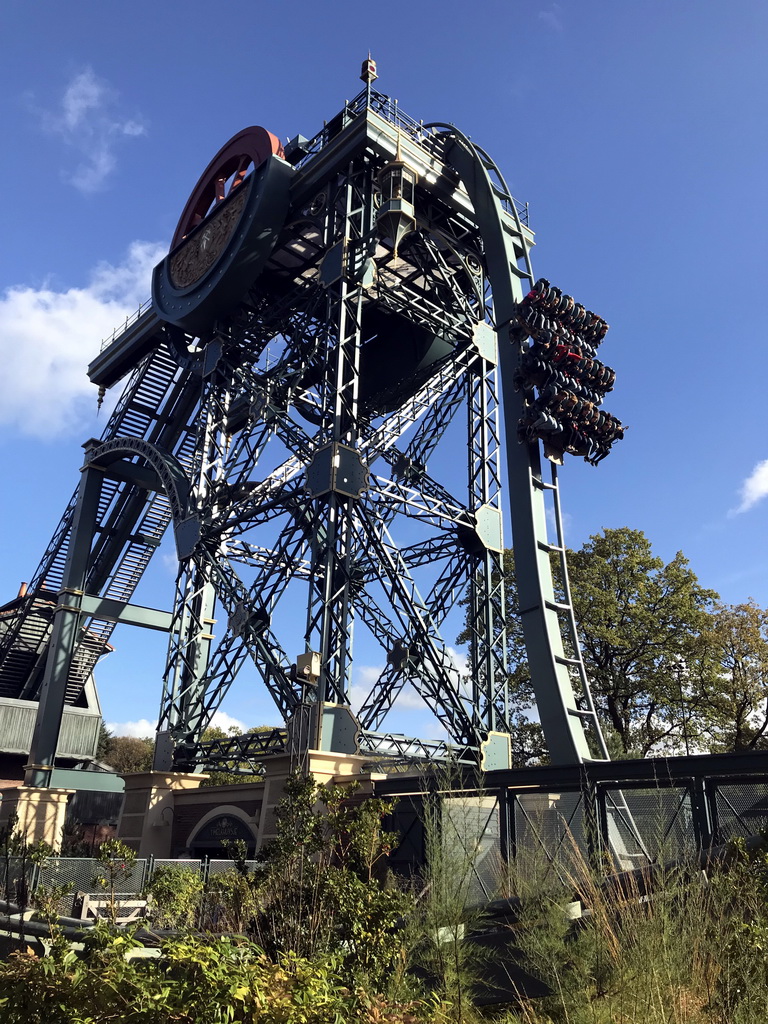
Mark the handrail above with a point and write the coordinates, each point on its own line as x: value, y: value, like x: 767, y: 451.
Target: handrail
x: 129, y: 320
x: 419, y: 132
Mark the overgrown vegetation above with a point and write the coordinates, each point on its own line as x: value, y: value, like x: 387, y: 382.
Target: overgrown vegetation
x: 680, y: 947
x: 214, y: 980
x: 319, y: 933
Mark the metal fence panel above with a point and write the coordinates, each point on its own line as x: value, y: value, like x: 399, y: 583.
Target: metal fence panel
x: 550, y: 838
x: 742, y: 809
x: 650, y: 825
x: 470, y: 827
x: 81, y: 874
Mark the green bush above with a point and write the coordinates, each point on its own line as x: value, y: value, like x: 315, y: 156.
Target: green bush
x: 174, y: 894
x: 196, y: 981
x: 324, y: 890
x: 229, y: 903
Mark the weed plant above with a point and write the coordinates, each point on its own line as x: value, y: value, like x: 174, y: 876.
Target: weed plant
x: 668, y: 946
x: 446, y: 914
x: 174, y: 894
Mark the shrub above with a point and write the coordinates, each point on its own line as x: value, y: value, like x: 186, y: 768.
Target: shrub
x: 324, y: 889
x: 117, y: 862
x: 196, y: 981
x: 174, y: 894
x: 229, y: 902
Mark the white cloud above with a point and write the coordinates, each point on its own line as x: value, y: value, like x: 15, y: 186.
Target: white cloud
x: 551, y: 17
x: 170, y: 562
x: 460, y: 660
x: 435, y: 730
x: 89, y: 122
x: 48, y: 336
x: 140, y: 728
x: 408, y: 699
x: 222, y: 720
x: 754, y: 488
x: 567, y: 518
x: 365, y: 677
x: 143, y: 727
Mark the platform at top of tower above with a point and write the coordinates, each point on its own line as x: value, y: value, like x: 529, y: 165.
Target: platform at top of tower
x: 371, y: 123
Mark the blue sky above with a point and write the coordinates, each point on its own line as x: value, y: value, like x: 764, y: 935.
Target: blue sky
x: 636, y: 130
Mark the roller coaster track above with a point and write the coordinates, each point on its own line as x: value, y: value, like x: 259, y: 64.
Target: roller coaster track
x: 434, y: 290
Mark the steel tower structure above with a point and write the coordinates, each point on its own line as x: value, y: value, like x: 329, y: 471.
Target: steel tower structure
x: 335, y: 327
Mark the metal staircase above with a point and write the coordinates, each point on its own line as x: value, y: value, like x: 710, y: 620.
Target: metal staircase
x: 158, y: 406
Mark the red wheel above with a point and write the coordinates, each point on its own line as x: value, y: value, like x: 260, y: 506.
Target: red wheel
x: 243, y: 153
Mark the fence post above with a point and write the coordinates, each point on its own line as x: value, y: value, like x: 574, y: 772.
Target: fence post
x: 595, y: 821
x: 702, y: 826
x: 149, y: 870
x: 601, y: 850
x: 504, y: 824
x: 710, y: 794
x: 512, y: 824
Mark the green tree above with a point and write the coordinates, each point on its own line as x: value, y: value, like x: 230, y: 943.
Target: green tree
x: 646, y: 633
x: 735, y: 692
x: 644, y: 628
x: 129, y: 753
x: 105, y: 737
x: 324, y: 886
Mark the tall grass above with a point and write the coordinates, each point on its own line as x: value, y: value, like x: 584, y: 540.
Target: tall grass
x: 658, y: 946
x: 444, y: 916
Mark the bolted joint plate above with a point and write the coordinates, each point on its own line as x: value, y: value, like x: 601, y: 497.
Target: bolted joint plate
x: 247, y: 619
x: 337, y: 469
x: 187, y: 534
x: 484, y: 340
x: 485, y: 534
x: 402, y: 655
x: 334, y: 264
x: 496, y: 751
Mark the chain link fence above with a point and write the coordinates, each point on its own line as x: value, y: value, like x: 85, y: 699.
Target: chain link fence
x: 86, y: 876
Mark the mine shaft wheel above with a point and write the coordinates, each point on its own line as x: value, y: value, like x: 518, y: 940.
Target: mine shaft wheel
x: 228, y: 169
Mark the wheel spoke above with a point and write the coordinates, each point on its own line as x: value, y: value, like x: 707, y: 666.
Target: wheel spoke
x: 240, y: 173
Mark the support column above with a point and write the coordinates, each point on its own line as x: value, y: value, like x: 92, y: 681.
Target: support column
x: 39, y: 813
x: 146, y: 821
x: 66, y: 628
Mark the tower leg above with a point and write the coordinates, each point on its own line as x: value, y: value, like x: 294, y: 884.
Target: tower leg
x: 66, y: 628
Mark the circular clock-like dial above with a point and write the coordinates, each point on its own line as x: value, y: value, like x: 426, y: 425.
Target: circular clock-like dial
x: 225, y: 174
x: 225, y: 233
x: 200, y: 251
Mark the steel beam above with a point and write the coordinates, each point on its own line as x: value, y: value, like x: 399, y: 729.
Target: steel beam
x: 124, y: 613
x: 506, y: 253
x: 67, y: 621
